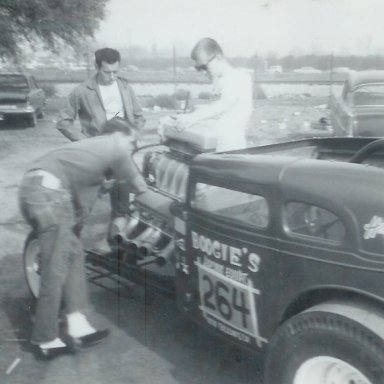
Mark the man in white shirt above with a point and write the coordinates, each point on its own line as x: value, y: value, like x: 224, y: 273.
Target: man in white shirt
x: 229, y: 115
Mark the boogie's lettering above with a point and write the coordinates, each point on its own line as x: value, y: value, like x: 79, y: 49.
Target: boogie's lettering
x: 226, y: 253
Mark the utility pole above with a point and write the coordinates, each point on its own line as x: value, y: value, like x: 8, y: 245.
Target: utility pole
x: 331, y: 64
x: 174, y: 66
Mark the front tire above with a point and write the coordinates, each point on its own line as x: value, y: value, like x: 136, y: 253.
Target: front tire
x: 40, y: 114
x: 31, y: 263
x: 322, y: 346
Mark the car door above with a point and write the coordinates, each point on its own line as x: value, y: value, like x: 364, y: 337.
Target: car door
x: 227, y: 260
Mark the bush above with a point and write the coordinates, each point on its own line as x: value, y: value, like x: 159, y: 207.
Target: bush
x: 166, y: 101
x: 49, y: 90
x: 205, y: 95
x: 147, y: 101
x: 181, y: 94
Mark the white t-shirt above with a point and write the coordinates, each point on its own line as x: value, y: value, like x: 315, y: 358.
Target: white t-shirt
x: 112, y: 101
x: 234, y: 88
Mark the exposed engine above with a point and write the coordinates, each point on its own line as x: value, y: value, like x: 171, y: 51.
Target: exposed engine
x: 146, y: 236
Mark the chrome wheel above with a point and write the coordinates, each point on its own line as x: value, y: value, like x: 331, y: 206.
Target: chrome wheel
x: 32, y: 265
x: 328, y: 370
x: 335, y: 342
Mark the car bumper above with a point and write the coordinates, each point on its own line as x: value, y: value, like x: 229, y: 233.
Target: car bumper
x: 17, y: 119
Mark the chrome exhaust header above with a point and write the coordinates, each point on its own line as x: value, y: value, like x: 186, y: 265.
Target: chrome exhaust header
x: 148, y: 244
x: 165, y: 254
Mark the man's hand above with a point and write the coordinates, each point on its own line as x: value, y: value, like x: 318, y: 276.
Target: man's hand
x: 165, y: 122
x: 184, y: 121
x: 106, y: 186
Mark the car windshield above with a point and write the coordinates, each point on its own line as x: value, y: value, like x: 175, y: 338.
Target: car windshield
x: 372, y: 94
x: 13, y: 82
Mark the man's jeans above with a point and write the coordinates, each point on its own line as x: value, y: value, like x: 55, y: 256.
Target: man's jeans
x: 63, y: 279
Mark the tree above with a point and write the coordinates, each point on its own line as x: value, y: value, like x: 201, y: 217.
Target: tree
x: 51, y: 22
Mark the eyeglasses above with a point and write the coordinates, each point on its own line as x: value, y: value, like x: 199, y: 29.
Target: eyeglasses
x: 204, y: 67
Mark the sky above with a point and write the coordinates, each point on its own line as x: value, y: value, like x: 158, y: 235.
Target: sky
x: 246, y: 27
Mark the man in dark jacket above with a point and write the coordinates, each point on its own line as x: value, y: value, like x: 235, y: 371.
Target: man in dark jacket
x: 103, y: 98
x: 56, y: 194
x: 99, y: 99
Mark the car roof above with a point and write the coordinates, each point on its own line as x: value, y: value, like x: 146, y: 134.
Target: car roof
x: 239, y: 168
x: 320, y: 182
x: 365, y: 77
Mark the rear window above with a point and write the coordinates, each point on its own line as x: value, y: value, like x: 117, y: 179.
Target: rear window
x: 246, y: 208
x: 16, y: 82
x: 372, y: 94
x: 313, y: 221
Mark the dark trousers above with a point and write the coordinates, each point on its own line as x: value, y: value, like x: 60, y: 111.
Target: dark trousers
x: 119, y: 198
x: 63, y: 278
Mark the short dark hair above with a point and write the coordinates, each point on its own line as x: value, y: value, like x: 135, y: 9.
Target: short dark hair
x: 117, y: 124
x: 108, y: 55
x: 207, y: 45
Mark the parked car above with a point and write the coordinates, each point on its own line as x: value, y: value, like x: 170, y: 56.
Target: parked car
x: 275, y: 69
x: 21, y: 99
x: 307, y: 70
x: 359, y: 111
x: 341, y: 70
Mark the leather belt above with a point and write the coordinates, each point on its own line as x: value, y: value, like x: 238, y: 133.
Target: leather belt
x: 47, y: 179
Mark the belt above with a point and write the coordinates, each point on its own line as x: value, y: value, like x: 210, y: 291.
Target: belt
x: 46, y: 179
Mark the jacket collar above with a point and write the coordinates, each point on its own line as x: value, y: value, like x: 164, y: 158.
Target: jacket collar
x: 91, y: 83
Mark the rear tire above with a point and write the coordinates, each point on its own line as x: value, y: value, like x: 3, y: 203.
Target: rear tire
x: 31, y: 263
x: 321, y: 347
x: 32, y: 122
x: 40, y: 114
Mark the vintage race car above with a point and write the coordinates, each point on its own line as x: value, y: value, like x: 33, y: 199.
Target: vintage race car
x: 360, y: 109
x: 276, y: 248
x: 21, y: 99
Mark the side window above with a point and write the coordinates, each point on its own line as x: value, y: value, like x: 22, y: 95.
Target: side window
x: 310, y: 220
x: 237, y: 206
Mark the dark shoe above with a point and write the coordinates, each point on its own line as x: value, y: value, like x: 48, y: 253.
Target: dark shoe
x: 91, y: 339
x: 50, y: 353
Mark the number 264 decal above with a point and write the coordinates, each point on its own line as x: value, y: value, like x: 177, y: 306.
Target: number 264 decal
x: 217, y: 298
x: 228, y: 305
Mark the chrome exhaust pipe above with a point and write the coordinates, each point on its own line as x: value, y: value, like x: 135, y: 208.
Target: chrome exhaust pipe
x: 165, y: 254
x: 176, y: 180
x: 147, y: 245
x: 122, y: 227
x: 132, y: 245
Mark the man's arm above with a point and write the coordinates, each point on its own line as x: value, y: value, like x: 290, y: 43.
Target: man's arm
x: 125, y: 169
x: 133, y: 109
x: 211, y: 111
x: 138, y: 113
x: 67, y: 116
x: 233, y: 88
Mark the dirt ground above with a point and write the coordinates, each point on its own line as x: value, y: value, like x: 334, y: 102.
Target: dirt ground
x: 149, y: 343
